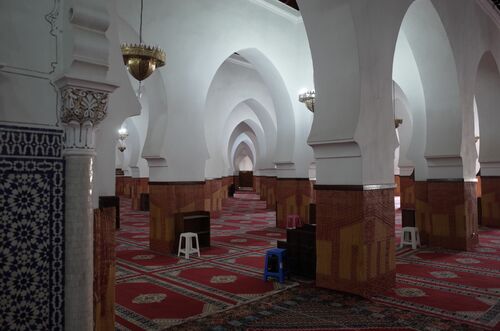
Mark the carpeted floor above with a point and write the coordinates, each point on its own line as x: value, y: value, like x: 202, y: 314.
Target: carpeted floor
x: 223, y: 290
x: 156, y: 291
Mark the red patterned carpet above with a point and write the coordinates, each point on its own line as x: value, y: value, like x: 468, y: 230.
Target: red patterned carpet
x: 155, y: 291
x: 461, y: 286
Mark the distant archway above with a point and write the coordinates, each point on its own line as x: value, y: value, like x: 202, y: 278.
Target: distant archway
x: 487, y: 97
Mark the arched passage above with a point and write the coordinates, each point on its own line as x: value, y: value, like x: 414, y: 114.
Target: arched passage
x: 247, y: 85
x: 244, y: 131
x: 435, y: 61
x: 487, y: 100
x: 487, y: 95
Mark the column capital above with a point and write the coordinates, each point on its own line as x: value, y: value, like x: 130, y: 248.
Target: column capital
x: 444, y: 166
x: 338, y: 162
x: 284, y: 169
x: 84, y: 105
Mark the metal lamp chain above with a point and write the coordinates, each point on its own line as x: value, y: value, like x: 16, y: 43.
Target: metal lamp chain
x: 140, y: 26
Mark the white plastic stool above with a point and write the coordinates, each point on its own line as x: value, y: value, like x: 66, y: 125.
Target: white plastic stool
x: 413, y: 237
x: 188, y: 244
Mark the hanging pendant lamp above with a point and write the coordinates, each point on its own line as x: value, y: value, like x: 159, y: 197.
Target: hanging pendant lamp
x: 309, y: 99
x: 142, y: 60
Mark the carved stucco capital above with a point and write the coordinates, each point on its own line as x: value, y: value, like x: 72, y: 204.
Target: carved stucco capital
x: 83, y: 105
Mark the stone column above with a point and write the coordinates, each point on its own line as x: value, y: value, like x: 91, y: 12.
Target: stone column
x: 453, y: 214
x: 490, y: 201
x: 355, y: 238
x: 83, y: 107
x: 293, y: 196
x: 166, y: 199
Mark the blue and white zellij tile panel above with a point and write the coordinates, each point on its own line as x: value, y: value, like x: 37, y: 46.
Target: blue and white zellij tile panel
x: 31, y: 228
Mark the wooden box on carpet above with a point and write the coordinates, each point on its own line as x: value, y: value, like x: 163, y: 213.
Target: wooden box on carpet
x: 301, y: 251
x: 144, y: 202
x: 195, y: 221
x: 312, y: 213
x: 408, y: 218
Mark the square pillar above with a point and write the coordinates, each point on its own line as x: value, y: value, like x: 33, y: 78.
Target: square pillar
x: 293, y: 196
x: 166, y: 199
x: 490, y: 201
x: 355, y: 241
x: 453, y: 214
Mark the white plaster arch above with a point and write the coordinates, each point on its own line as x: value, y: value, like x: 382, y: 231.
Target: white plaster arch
x: 242, y: 151
x: 243, y: 140
x: 237, y: 92
x: 487, y: 97
x: 276, y: 120
x: 242, y: 113
x: 402, y: 110
x: 436, y: 65
x: 353, y: 129
x: 247, y: 129
x: 409, y: 89
x: 133, y: 144
x: 203, y: 36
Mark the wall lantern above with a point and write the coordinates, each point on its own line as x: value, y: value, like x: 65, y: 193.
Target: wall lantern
x: 309, y: 99
x: 122, y: 135
x: 142, y: 60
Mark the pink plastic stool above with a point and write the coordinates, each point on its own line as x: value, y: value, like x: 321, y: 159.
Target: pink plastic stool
x: 293, y: 221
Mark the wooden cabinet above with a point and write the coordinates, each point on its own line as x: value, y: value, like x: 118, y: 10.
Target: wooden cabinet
x: 301, y: 251
x: 195, y: 221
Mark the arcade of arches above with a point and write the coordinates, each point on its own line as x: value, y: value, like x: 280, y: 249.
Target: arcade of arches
x: 227, y: 101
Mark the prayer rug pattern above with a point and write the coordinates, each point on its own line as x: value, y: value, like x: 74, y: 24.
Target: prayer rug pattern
x: 157, y: 291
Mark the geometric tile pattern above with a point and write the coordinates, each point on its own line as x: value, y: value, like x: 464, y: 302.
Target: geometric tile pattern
x: 31, y: 228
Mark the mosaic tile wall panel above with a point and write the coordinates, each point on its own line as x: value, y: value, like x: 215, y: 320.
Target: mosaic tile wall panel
x: 31, y: 228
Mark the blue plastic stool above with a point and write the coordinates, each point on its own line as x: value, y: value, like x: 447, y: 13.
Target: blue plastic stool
x: 280, y: 274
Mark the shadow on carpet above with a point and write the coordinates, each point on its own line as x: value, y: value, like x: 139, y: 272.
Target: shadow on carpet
x: 309, y: 308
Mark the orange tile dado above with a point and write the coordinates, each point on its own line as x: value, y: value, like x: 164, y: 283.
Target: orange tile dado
x: 104, y: 268
x: 407, y: 188
x: 137, y: 187
x: 453, y: 214
x: 214, y: 194
x: 422, y: 211
x: 490, y: 201
x: 268, y: 191
x: 355, y: 241
x: 166, y: 199
x: 293, y: 196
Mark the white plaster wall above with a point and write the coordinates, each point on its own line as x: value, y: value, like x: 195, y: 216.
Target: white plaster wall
x: 30, y: 58
x: 198, y: 36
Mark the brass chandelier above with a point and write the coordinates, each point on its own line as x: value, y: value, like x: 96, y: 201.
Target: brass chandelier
x: 142, y: 60
x: 309, y: 99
